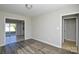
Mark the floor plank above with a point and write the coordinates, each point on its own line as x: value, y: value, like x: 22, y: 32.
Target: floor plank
x: 32, y: 46
x: 70, y: 45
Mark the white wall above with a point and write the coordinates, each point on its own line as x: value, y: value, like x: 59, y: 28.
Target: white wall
x: 4, y: 15
x: 70, y: 29
x: 28, y: 28
x: 48, y: 28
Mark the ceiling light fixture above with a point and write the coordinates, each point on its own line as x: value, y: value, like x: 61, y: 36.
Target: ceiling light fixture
x: 28, y: 6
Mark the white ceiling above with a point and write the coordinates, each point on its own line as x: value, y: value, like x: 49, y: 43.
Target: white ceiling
x: 37, y: 9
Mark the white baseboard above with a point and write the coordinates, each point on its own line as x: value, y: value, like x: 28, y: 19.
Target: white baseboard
x: 48, y: 43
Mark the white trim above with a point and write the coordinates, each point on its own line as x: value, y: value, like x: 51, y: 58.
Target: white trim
x: 48, y: 43
x: 77, y: 31
x: 4, y: 32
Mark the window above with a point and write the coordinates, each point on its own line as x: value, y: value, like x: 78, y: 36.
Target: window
x: 10, y: 27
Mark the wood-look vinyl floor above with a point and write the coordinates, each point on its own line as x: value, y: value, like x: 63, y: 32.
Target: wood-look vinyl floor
x: 70, y: 45
x: 32, y: 46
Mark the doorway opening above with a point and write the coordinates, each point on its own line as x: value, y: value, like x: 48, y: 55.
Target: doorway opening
x: 10, y: 29
x: 70, y: 33
x: 14, y: 31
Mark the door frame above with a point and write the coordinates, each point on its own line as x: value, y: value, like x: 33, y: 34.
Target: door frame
x: 67, y: 17
x: 5, y: 24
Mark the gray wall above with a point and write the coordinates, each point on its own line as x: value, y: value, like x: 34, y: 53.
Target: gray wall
x: 70, y: 29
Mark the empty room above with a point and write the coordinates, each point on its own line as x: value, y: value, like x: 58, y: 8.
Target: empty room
x: 39, y: 28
